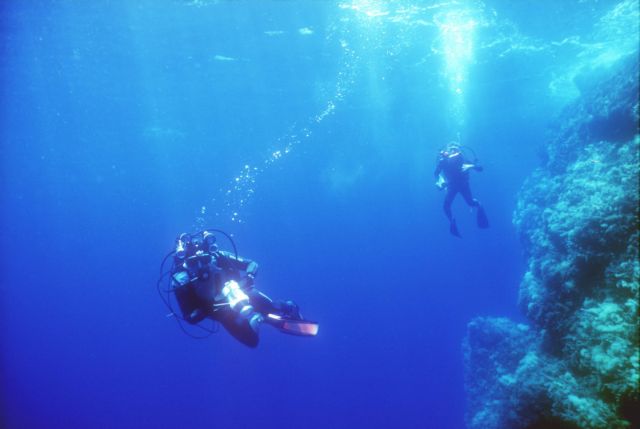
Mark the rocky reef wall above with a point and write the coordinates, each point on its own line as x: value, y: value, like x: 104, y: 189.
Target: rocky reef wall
x: 576, y: 364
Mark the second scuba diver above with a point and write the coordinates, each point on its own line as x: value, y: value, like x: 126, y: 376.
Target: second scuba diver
x: 452, y: 174
x: 213, y: 284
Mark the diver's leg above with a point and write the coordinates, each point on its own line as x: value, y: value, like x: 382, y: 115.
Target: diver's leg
x: 261, y: 302
x: 265, y: 305
x: 481, y: 215
x: 448, y: 200
x: 465, y: 191
x: 239, y: 327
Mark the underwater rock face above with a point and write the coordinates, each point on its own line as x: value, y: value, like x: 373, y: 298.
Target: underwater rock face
x: 577, y: 364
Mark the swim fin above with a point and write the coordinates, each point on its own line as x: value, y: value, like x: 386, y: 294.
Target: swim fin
x: 453, y: 228
x: 483, y: 221
x: 303, y: 328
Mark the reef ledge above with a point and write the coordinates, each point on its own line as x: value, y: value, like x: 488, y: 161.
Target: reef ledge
x: 576, y: 363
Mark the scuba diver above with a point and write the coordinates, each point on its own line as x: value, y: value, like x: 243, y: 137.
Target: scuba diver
x: 218, y: 285
x: 452, y: 175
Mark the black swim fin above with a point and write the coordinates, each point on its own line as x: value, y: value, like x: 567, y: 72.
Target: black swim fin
x: 483, y: 221
x: 453, y: 228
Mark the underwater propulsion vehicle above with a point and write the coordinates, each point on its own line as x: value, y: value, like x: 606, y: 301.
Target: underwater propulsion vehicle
x: 213, y: 284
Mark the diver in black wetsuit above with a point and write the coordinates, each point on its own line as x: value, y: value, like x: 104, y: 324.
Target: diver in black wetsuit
x: 214, y: 284
x: 452, y: 174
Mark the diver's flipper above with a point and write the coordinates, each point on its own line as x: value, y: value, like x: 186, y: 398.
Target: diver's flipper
x: 483, y: 221
x: 304, y: 328
x: 453, y: 228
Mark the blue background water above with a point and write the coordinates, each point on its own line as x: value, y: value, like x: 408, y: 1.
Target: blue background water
x: 308, y: 130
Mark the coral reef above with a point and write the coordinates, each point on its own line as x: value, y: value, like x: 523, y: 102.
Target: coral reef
x: 577, y: 364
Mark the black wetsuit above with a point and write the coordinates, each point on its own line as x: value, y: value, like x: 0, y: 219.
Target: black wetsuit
x: 457, y: 180
x: 198, y: 284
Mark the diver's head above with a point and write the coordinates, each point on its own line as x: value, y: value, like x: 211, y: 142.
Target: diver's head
x: 453, y: 148
x: 209, y: 242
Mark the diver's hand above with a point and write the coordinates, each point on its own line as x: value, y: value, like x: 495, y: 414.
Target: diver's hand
x: 467, y: 167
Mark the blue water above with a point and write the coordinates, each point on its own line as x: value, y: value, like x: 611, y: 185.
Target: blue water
x: 308, y: 130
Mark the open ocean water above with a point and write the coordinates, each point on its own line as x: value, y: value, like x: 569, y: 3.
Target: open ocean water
x: 307, y: 129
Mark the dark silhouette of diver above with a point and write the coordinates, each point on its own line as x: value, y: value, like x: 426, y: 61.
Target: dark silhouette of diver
x: 452, y: 174
x: 213, y: 284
